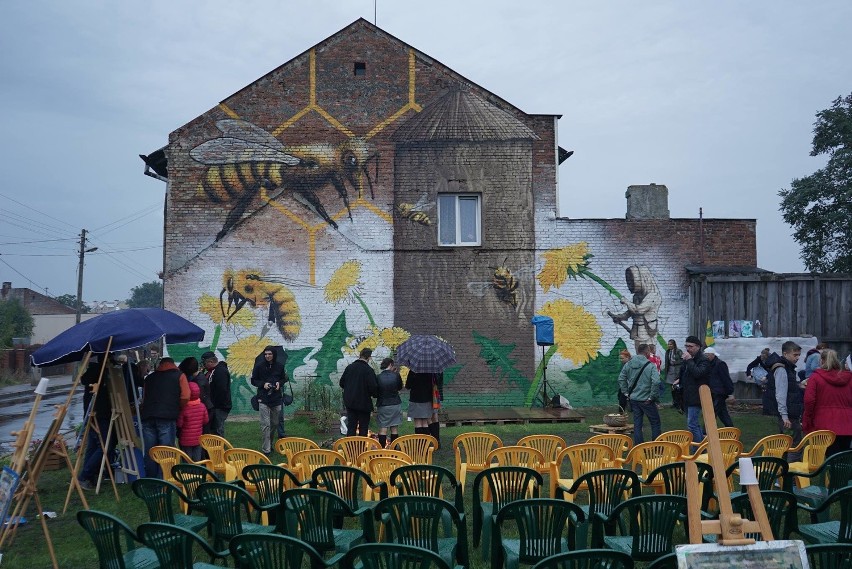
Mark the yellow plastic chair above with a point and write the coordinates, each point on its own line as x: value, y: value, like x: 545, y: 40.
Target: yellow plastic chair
x: 548, y: 445
x: 418, y: 447
x: 238, y: 458
x: 167, y: 457
x: 772, y: 445
x: 582, y: 458
x: 369, y: 455
x: 645, y: 457
x: 379, y: 468
x: 471, y: 450
x: 731, y: 451
x: 729, y: 433
x: 620, y: 445
x: 305, y: 462
x: 681, y: 437
x: 515, y: 455
x: 812, y: 447
x: 216, y: 447
x: 352, y: 447
x: 288, y: 446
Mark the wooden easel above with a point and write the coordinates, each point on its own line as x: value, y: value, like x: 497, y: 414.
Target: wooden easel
x: 730, y: 528
x: 122, y: 424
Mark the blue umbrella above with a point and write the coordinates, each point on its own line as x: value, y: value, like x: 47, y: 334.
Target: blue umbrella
x: 130, y: 328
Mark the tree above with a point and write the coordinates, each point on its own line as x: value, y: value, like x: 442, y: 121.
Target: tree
x: 15, y: 321
x: 70, y: 300
x: 819, y: 206
x: 146, y: 295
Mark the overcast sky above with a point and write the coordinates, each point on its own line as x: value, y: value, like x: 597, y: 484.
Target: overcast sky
x: 715, y: 99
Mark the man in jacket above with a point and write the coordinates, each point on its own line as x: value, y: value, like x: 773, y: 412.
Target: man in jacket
x: 721, y: 386
x: 359, y: 387
x: 783, y: 394
x: 220, y: 391
x: 640, y: 381
x: 694, y: 372
x: 268, y: 376
x: 164, y: 393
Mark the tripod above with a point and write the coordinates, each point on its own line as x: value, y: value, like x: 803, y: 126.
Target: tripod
x: 541, y: 395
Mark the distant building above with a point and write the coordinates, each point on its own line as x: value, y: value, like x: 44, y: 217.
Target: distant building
x: 35, y: 302
x: 104, y: 306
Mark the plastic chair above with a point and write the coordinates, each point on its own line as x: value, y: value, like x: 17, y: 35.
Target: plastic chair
x: 835, y: 473
x: 830, y: 556
x: 391, y: 556
x: 673, y: 478
x: 548, y: 445
x: 175, y: 546
x: 771, y: 445
x: 682, y: 438
x: 771, y: 472
x: 731, y: 451
x: 216, y: 447
x: 813, y: 447
x: 107, y: 532
x: 304, y: 462
x: 780, y: 508
x: 419, y: 447
x: 583, y: 458
x: 159, y: 497
x: 606, y: 489
x: 471, y: 450
x: 620, y: 445
x: 309, y: 515
x: 493, y: 488
x: 427, y: 480
x: 352, y: 447
x: 167, y: 457
x: 350, y: 483
x: 269, y: 481
x: 288, y: 446
x: 644, y: 526
x: 588, y: 559
x: 229, y: 509
x: 190, y: 477
x: 665, y: 562
x: 544, y: 527
x: 729, y: 433
x: 644, y: 458
x: 419, y: 521
x: 272, y: 551
x: 836, y: 530
x: 516, y: 455
x: 238, y: 458
x: 380, y: 469
x: 369, y: 455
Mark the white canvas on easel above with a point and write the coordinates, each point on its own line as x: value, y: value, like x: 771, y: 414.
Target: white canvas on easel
x: 120, y: 423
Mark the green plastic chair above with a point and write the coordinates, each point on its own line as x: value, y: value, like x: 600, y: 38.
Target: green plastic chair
x: 229, y: 508
x: 780, y: 508
x: 175, y: 546
x: 351, y: 484
x: 606, y: 489
x: 835, y: 473
x: 269, y: 481
x: 273, y: 551
x: 587, y: 559
x: 160, y: 497
x: 505, y: 485
x: 428, y: 480
x: 836, y: 530
x: 309, y: 515
x: 673, y: 476
x: 830, y: 556
x: 544, y: 526
x: 645, y: 526
x: 665, y: 562
x: 419, y: 521
x: 771, y: 472
x: 190, y: 477
x: 108, y: 533
x: 391, y: 556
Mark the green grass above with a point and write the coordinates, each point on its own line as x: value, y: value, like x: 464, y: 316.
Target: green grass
x: 75, y: 550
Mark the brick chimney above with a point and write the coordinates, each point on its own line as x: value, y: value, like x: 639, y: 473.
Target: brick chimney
x: 647, y: 202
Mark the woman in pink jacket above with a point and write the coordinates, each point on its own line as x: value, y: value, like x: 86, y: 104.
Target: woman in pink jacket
x: 828, y: 401
x: 191, y: 423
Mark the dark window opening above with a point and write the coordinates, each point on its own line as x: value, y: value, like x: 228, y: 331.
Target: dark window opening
x: 360, y: 68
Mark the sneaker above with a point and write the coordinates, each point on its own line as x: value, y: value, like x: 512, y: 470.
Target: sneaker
x: 87, y: 485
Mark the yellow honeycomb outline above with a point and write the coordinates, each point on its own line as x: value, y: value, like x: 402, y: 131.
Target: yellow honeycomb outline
x: 314, y: 228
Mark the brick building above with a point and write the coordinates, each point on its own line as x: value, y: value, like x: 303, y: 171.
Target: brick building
x: 363, y: 191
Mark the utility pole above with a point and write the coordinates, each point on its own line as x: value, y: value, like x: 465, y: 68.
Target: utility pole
x: 83, y: 252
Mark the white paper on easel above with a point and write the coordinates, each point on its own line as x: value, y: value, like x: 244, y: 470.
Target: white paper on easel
x: 747, y: 474
x: 41, y: 389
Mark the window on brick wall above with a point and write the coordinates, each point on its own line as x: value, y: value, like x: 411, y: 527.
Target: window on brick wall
x: 459, y: 220
x: 360, y: 68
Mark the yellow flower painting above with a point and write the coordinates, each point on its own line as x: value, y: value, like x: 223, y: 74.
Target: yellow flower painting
x: 376, y: 337
x: 345, y: 283
x: 210, y: 306
x: 241, y: 354
x: 577, y: 333
x: 559, y: 264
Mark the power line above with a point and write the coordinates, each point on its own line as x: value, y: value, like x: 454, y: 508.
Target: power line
x: 37, y: 211
x: 28, y: 279
x: 129, y: 218
x: 29, y: 242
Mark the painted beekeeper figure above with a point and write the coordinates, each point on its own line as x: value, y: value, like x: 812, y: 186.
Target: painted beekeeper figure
x: 643, y: 310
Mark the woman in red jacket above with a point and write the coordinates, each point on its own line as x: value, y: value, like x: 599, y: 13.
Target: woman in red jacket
x: 191, y: 423
x: 828, y: 401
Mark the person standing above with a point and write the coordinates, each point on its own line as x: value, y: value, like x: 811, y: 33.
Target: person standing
x: 694, y: 372
x: 164, y: 393
x: 828, y: 402
x: 671, y: 372
x: 721, y: 386
x: 189, y: 367
x: 103, y: 412
x: 388, y: 402
x: 755, y: 369
x: 812, y: 361
x: 268, y: 376
x: 783, y: 397
x: 639, y: 380
x: 191, y: 423
x: 421, y: 400
x: 359, y: 387
x: 220, y: 391
x: 623, y: 403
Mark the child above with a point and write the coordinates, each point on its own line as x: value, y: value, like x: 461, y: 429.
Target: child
x: 191, y: 423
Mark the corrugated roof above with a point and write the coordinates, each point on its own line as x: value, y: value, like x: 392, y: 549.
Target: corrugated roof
x: 459, y: 115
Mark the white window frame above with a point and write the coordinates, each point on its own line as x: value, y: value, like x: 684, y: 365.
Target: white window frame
x: 458, y: 198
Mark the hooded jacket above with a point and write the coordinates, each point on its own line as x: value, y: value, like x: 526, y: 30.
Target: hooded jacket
x: 694, y: 373
x: 192, y: 419
x: 828, y: 402
x: 646, y: 378
x: 271, y: 372
x: 220, y: 386
x: 359, y: 386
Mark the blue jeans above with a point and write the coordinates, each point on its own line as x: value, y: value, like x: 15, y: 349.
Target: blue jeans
x: 693, y: 423
x: 157, y: 432
x: 640, y: 409
x: 94, y: 453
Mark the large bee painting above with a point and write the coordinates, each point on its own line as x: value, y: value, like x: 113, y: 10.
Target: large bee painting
x: 503, y: 282
x: 246, y: 159
x: 261, y: 292
x: 416, y: 213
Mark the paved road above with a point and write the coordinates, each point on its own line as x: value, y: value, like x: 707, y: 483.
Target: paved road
x: 16, y: 403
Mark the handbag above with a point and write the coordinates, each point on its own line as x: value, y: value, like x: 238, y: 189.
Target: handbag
x: 255, y: 403
x: 287, y: 398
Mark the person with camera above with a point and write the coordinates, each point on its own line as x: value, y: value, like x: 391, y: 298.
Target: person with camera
x: 268, y: 376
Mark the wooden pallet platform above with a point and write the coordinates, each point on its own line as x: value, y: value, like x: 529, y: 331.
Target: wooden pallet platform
x: 507, y: 416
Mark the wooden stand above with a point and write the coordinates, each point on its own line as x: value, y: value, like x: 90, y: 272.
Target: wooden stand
x: 610, y: 430
x: 730, y: 527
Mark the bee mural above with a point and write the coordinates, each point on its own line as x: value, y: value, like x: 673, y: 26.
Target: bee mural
x: 415, y: 212
x: 258, y: 291
x: 503, y: 282
x: 246, y: 159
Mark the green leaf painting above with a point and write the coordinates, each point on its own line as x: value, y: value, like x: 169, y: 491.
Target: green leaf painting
x: 295, y: 358
x: 496, y: 355
x: 179, y: 352
x: 331, y: 351
x: 597, y: 381
x: 450, y: 373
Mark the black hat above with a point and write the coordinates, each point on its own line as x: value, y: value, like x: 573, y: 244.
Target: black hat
x: 693, y: 340
x: 208, y: 356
